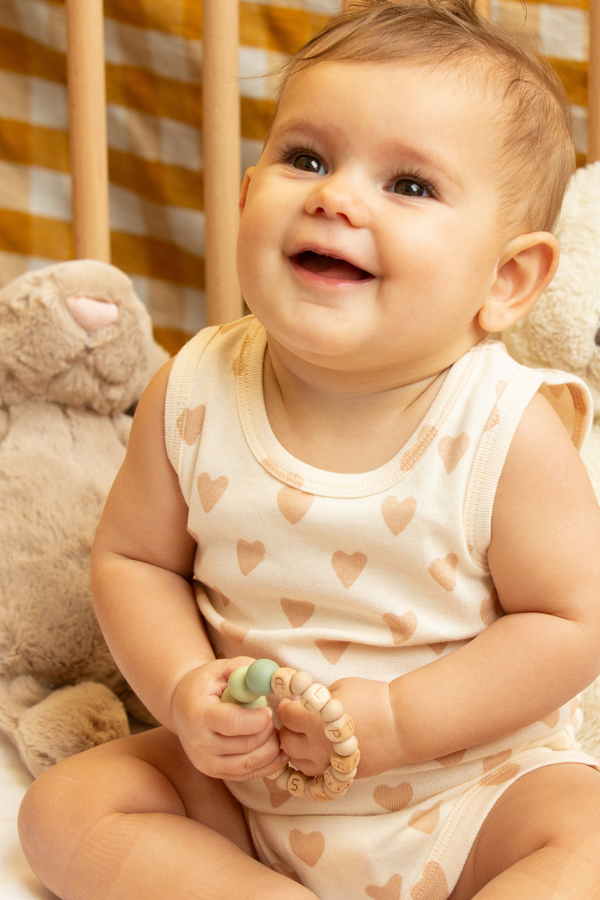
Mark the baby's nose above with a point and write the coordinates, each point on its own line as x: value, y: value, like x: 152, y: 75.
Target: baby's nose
x: 339, y: 197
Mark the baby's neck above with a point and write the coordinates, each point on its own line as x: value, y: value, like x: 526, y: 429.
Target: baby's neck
x: 339, y: 425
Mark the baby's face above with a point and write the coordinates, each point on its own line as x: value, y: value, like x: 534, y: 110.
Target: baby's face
x: 370, y: 228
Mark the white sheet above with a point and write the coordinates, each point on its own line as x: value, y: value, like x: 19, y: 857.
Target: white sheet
x: 17, y: 881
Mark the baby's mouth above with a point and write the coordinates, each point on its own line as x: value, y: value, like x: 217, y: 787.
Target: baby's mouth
x: 329, y: 266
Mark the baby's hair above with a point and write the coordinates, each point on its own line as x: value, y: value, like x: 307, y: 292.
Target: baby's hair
x: 537, y: 158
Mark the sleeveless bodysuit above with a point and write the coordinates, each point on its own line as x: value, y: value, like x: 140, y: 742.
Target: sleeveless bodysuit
x: 368, y: 575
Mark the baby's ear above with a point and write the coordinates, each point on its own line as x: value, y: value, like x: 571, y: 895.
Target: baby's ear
x: 525, y: 270
x: 245, y: 186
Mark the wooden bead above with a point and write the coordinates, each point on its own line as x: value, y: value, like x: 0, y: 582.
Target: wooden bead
x: 301, y: 682
x: 343, y: 776
x: 282, y: 780
x: 334, y: 795
x: 340, y: 729
x: 345, y: 763
x: 315, y: 697
x: 280, y: 682
x: 297, y: 784
x: 347, y: 747
x: 315, y: 790
x: 334, y: 784
x: 332, y: 711
x: 274, y: 775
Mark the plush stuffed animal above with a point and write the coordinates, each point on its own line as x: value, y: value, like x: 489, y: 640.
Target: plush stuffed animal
x: 76, y: 351
x: 562, y: 331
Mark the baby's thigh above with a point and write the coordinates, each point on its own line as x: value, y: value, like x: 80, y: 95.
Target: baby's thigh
x: 556, y: 807
x: 144, y: 773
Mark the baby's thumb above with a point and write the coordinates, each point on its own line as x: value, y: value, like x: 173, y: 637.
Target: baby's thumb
x: 292, y: 715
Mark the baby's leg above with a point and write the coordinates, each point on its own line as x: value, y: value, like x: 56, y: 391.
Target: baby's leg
x: 541, y: 840
x: 134, y: 818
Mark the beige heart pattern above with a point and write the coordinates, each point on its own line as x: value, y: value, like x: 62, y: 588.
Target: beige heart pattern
x: 398, y: 513
x: 249, y: 555
x: 297, y: 611
x: 552, y: 719
x: 451, y: 759
x: 432, y: 885
x: 444, y: 571
x: 233, y: 632
x: 491, y: 762
x: 307, y: 847
x: 393, y: 798
x: 391, y: 890
x: 402, y: 627
x: 190, y: 424
x: 438, y: 648
x: 209, y: 491
x: 239, y: 365
x: 277, y: 796
x: 426, y: 820
x: 332, y: 650
x: 348, y: 566
x: 452, y: 450
x: 293, y: 504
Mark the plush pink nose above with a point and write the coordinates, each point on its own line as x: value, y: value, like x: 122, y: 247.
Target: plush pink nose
x: 92, y: 314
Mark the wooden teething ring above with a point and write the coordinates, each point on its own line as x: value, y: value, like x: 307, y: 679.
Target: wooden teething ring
x: 249, y: 685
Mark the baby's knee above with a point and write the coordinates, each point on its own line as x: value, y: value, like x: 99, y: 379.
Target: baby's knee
x: 48, y: 822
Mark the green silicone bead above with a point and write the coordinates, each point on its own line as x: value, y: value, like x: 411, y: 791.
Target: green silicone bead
x: 227, y: 697
x: 259, y: 676
x: 256, y: 704
x: 237, y: 686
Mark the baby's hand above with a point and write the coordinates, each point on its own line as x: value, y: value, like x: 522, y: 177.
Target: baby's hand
x: 368, y: 702
x: 223, y: 740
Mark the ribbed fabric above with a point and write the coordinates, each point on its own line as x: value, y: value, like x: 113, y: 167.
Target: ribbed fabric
x: 369, y: 575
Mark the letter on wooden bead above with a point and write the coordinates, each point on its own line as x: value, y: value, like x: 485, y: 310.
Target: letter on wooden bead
x: 297, y: 784
x: 315, y: 697
x: 340, y: 729
x: 280, y: 682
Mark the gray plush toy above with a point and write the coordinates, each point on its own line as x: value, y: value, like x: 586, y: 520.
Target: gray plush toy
x: 76, y: 351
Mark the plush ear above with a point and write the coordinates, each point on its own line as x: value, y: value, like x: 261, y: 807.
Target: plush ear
x: 245, y: 186
x: 524, y: 271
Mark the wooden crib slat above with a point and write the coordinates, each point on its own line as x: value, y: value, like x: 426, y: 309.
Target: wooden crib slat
x: 222, y: 158
x: 87, y: 129
x: 594, y: 84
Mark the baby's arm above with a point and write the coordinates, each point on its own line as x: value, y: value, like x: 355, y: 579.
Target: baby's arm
x: 142, y: 564
x: 544, y: 558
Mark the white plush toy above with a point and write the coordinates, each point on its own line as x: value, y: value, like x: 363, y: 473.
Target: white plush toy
x: 562, y: 331
x: 76, y: 351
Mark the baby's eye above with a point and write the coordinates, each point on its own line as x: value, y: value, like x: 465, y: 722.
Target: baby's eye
x: 409, y: 187
x: 308, y: 163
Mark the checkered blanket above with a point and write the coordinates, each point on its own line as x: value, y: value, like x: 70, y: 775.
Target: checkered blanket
x: 153, y: 55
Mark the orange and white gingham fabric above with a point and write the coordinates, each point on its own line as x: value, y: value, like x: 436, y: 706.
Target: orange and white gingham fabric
x: 154, y: 93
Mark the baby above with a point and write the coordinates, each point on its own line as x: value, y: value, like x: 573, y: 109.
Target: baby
x: 357, y: 482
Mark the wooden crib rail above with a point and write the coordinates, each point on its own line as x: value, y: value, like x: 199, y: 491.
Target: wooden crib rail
x: 222, y: 158
x: 87, y: 129
x: 594, y: 84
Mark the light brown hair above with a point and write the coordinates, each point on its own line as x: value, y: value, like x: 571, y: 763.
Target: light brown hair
x: 537, y: 157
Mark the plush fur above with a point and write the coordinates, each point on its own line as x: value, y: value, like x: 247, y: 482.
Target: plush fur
x: 76, y: 351
x: 563, y: 331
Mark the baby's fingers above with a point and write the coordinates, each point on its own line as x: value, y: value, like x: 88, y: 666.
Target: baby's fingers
x: 230, y: 720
